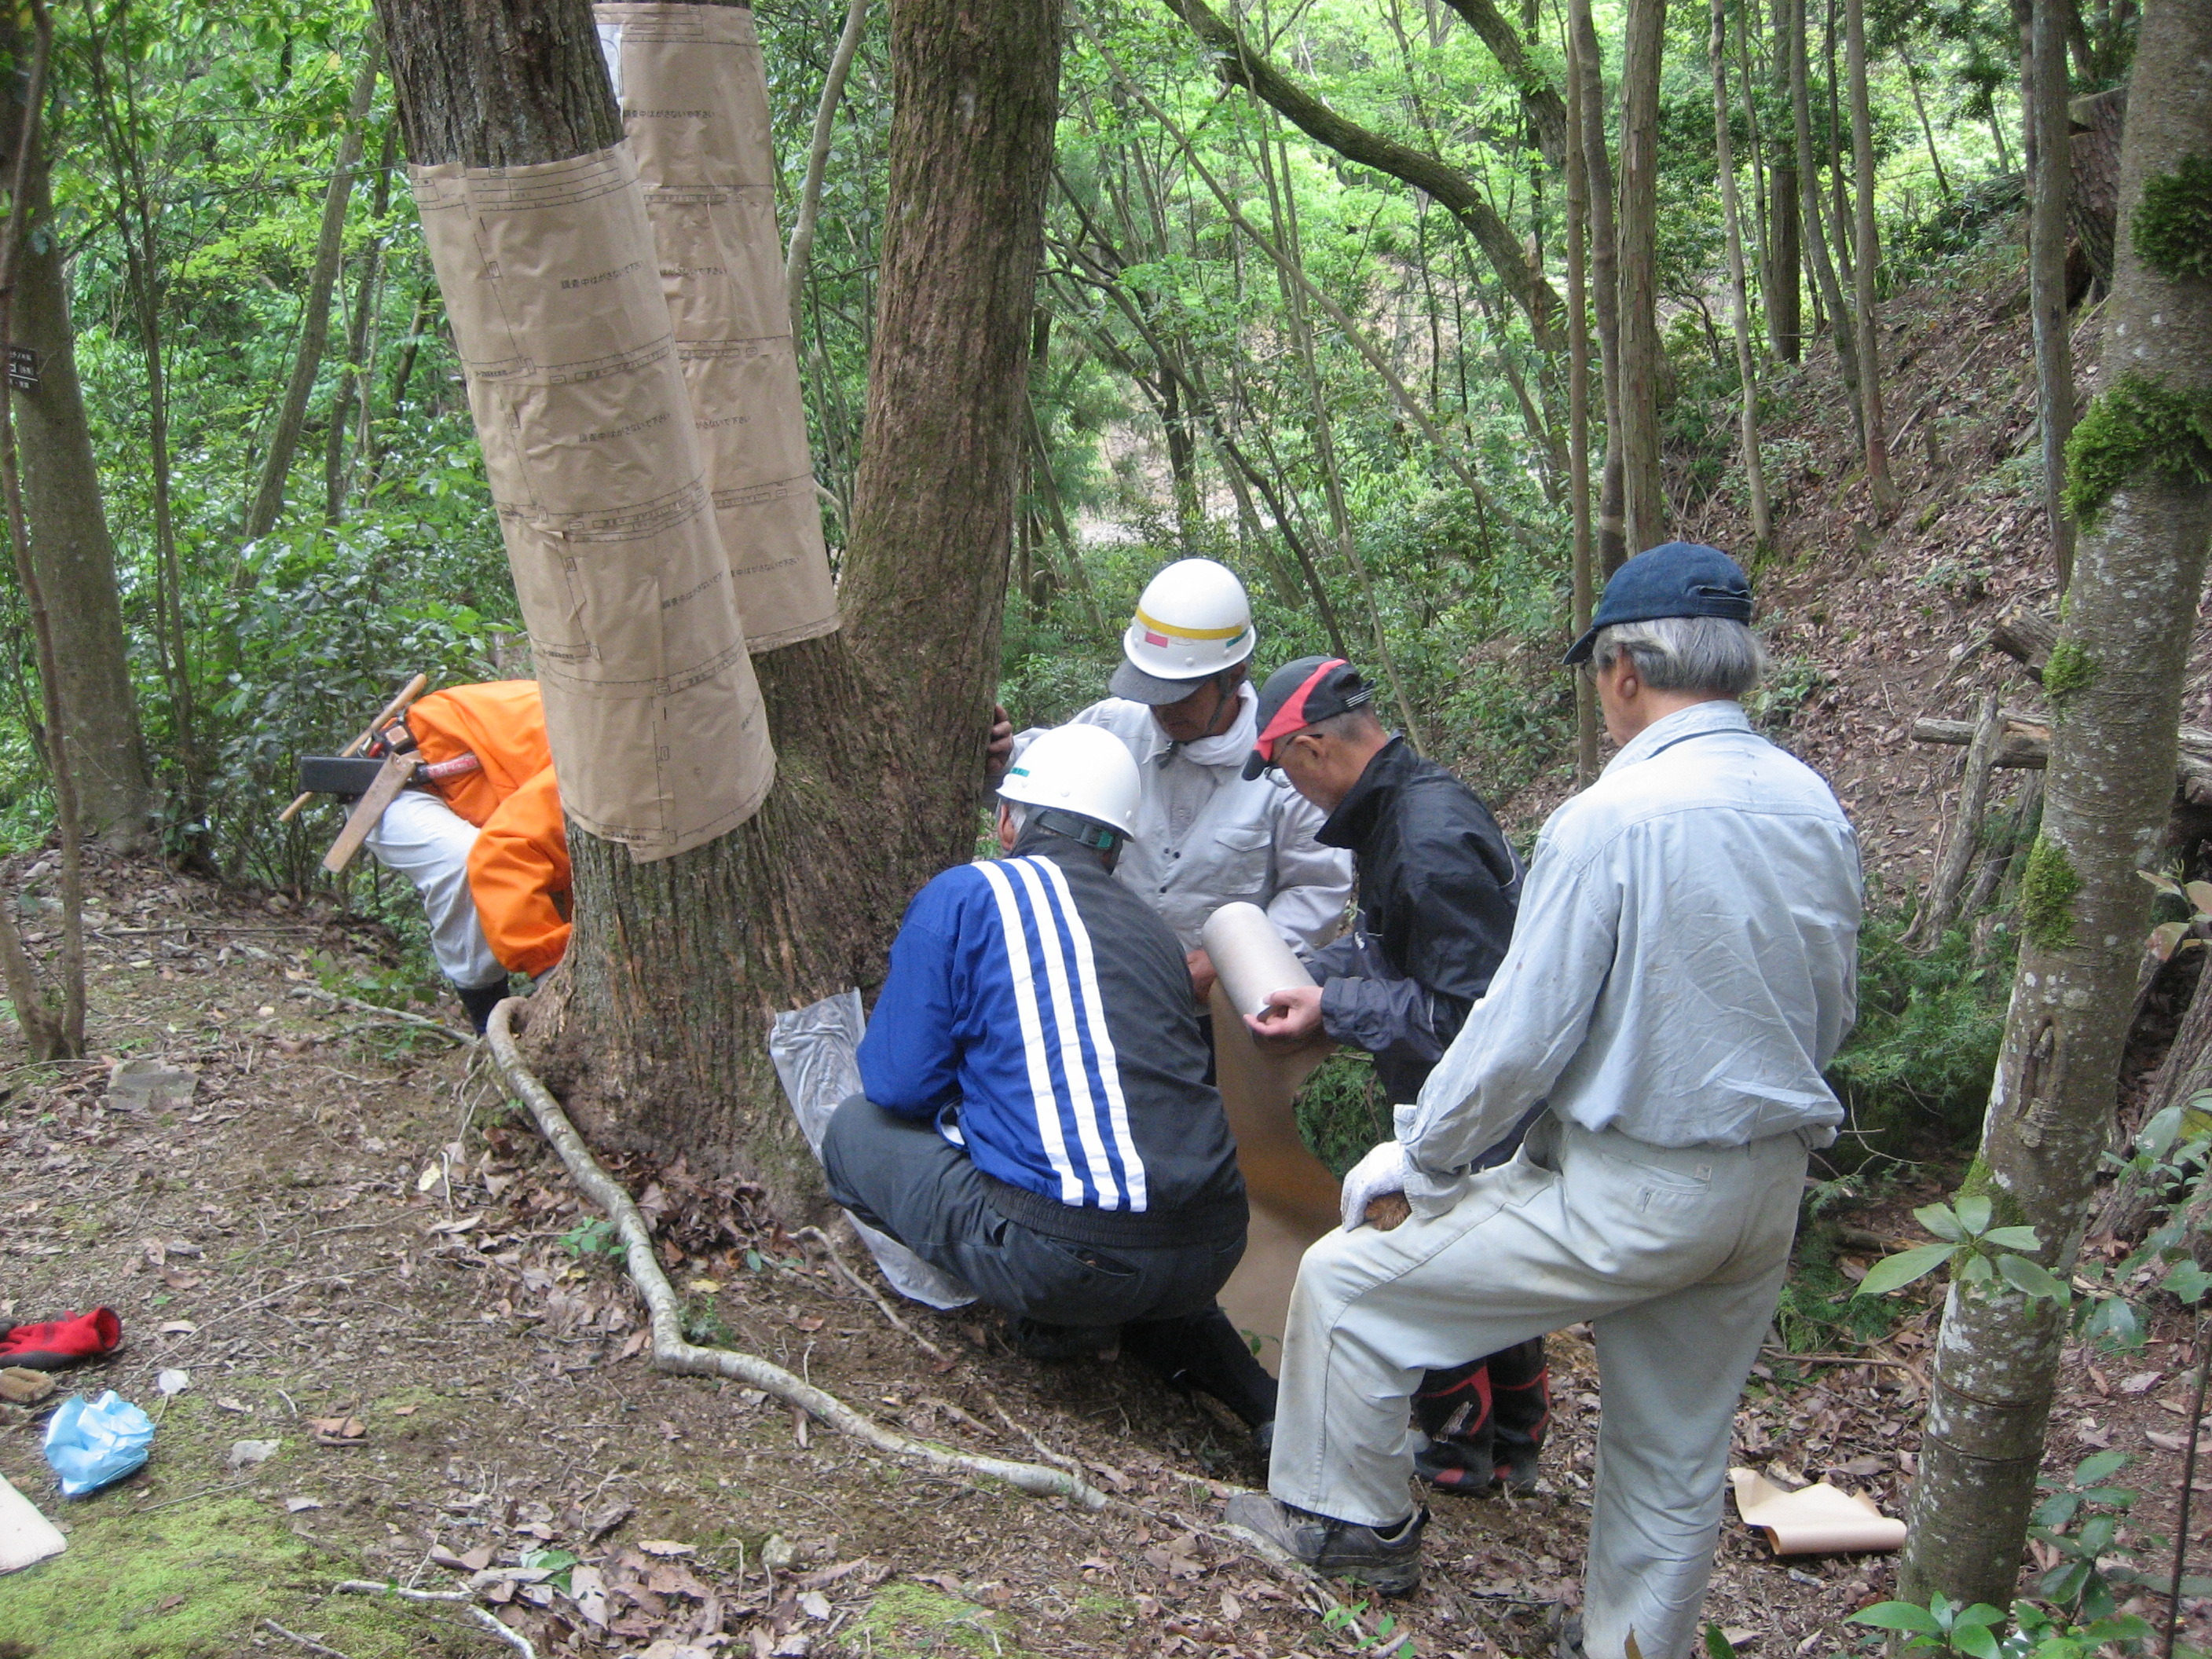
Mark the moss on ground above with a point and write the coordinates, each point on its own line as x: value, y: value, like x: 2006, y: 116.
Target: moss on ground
x: 193, y: 1583
x: 913, y: 1621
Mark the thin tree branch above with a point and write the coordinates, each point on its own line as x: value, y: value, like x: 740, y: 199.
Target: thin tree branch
x: 817, y: 161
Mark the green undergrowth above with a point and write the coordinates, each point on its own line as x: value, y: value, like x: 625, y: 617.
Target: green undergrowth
x: 194, y: 1581
x: 1342, y: 1111
x: 1820, y: 1311
x: 1918, y: 1062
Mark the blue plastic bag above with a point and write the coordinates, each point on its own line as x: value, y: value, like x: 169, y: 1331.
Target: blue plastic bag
x: 94, y: 1444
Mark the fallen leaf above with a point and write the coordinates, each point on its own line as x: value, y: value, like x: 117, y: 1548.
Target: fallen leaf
x: 2166, y: 1442
x: 405, y: 1411
x: 337, y: 1430
x: 431, y: 1171
x: 172, y: 1380
x: 293, y: 1505
x: 815, y: 1604
x: 704, y: 1287
x: 795, y: 1646
x: 636, y: 1343
x: 230, y: 1404
x: 1232, y: 1608
x: 177, y: 1279
x: 2142, y: 1382
x: 443, y: 1557
x: 252, y: 1451
x: 588, y: 1590
x: 461, y: 1225
x: 670, y: 1547
x: 809, y: 1324
x: 477, y: 1559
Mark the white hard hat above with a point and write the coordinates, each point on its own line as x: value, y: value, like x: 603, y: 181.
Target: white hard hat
x: 1083, y: 769
x: 1192, y: 621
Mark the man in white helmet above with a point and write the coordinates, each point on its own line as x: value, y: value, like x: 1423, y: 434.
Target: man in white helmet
x: 1036, y: 1119
x: 1204, y: 835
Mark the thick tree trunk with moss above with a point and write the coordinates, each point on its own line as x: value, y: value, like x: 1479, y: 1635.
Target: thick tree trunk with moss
x: 656, y: 1025
x: 2137, y: 487
x: 70, y: 542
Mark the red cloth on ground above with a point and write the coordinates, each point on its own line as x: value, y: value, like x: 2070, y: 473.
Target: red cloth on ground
x: 69, y: 1340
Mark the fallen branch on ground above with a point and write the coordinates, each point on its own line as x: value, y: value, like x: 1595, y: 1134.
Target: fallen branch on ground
x: 507, y: 1633
x: 671, y: 1352
x: 383, y: 1012
x: 306, y: 1642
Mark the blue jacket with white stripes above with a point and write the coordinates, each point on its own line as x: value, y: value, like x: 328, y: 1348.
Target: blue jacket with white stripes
x: 1040, y: 1013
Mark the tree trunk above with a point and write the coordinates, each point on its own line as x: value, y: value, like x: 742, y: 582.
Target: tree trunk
x: 1873, y: 431
x: 1808, y: 204
x: 1604, y: 283
x: 71, y: 547
x: 1539, y: 100
x: 315, y: 309
x: 2050, y: 168
x: 1754, y: 472
x: 1785, y: 299
x: 1578, y: 480
x: 656, y: 1025
x: 354, y: 376
x: 2115, y: 680
x: 1640, y: 348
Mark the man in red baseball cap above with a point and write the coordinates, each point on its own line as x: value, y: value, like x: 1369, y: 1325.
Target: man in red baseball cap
x: 1438, y: 885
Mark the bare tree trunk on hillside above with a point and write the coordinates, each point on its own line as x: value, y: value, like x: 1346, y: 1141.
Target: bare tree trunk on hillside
x: 354, y: 375
x: 656, y: 1025
x: 1875, y: 432
x: 1762, y: 235
x: 2047, y: 132
x: 70, y: 546
x: 2115, y: 683
x: 1809, y: 201
x: 1586, y: 712
x: 1585, y: 64
x: 1640, y: 348
x: 1754, y: 470
x: 1785, y: 300
x: 315, y: 308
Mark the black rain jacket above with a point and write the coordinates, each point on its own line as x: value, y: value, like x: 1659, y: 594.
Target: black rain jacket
x: 1438, y: 886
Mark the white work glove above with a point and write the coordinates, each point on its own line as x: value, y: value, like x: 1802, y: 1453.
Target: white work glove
x: 1382, y: 1170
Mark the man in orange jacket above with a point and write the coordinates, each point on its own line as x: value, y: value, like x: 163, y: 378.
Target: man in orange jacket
x: 481, y: 838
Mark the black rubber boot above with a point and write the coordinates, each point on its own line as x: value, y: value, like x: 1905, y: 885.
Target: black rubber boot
x: 480, y: 1002
x: 1453, y: 1409
x: 1204, y: 1352
x: 1520, y: 1410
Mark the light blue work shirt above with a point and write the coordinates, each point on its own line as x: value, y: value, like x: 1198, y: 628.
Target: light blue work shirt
x: 1684, y: 962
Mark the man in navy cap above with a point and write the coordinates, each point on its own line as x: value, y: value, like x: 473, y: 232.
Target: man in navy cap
x: 1438, y: 887
x: 1683, y: 967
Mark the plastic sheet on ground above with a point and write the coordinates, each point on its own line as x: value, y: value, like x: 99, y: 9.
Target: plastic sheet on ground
x: 95, y: 1442
x: 26, y: 1535
x: 817, y: 1055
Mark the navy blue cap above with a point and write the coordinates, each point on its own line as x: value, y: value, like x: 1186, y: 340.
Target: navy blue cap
x: 1676, y: 578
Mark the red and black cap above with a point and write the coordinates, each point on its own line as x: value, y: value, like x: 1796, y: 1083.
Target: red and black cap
x: 1301, y: 694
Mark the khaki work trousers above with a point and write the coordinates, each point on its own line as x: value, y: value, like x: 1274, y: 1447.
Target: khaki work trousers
x: 1675, y: 1256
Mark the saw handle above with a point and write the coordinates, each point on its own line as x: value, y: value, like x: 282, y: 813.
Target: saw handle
x: 408, y: 693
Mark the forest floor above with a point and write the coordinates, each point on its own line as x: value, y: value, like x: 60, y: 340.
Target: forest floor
x: 371, y: 1270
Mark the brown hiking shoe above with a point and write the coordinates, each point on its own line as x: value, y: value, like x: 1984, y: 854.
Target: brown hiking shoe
x: 1387, y: 1559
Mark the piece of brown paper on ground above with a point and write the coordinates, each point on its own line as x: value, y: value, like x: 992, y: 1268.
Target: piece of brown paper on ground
x: 1819, y: 1520
x: 552, y: 285
x: 695, y: 104
x: 1292, y: 1194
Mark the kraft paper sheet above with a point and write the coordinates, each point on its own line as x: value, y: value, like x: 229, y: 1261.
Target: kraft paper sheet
x: 695, y: 104
x: 553, y: 290
x: 1819, y: 1520
x: 1292, y: 1194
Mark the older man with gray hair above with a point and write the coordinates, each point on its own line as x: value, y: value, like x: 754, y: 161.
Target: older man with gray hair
x: 1682, y: 971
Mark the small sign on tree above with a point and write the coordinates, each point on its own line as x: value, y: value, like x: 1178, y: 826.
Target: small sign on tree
x: 23, y: 368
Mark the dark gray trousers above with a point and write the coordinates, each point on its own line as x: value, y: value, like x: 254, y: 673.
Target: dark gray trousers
x: 903, y: 1176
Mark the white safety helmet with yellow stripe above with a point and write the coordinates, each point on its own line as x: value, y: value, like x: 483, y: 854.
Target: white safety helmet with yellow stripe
x: 1192, y: 621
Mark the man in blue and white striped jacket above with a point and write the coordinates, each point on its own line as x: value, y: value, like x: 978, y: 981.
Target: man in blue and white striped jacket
x: 1036, y: 1119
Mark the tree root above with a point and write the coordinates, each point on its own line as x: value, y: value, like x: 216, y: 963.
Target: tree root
x: 671, y: 1352
x: 507, y: 1633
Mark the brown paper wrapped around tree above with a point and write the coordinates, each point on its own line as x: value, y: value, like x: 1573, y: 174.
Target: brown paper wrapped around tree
x: 694, y: 105
x: 552, y: 288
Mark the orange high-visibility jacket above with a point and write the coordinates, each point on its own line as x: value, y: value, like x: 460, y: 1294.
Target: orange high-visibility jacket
x: 518, y: 868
